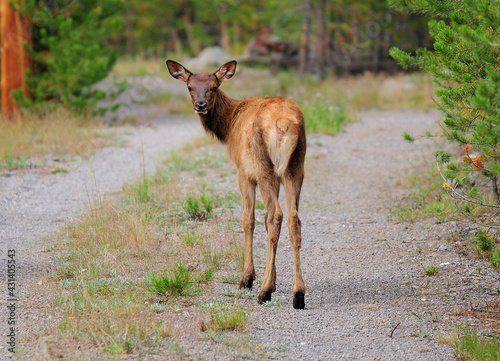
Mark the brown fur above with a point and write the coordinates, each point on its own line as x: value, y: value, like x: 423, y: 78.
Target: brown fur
x: 266, y: 140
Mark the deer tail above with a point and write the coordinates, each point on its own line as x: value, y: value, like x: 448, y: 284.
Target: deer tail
x: 282, y: 142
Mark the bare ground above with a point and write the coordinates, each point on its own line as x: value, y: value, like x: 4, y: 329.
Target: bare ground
x: 367, y: 296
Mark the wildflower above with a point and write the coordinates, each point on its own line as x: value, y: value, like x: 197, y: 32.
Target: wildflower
x: 446, y: 185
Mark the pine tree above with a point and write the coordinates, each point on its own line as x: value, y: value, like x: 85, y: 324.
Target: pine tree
x: 70, y: 52
x: 465, y: 65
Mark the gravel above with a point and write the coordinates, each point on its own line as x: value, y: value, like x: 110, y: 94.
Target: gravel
x: 367, y: 297
x: 34, y: 204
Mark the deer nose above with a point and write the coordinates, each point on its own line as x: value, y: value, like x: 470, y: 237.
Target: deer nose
x: 201, y: 105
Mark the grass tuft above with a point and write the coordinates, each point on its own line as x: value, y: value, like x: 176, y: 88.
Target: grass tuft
x: 431, y: 271
x: 225, y: 318
x: 471, y: 346
x: 180, y: 283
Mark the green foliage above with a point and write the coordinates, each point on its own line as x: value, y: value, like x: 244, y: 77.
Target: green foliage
x: 70, y: 52
x: 484, y: 242
x: 193, y: 207
x: 443, y: 157
x: 464, y: 65
x: 495, y: 260
x: 208, y: 275
x: 225, y: 318
x: 431, y: 271
x: 324, y: 117
x: 178, y: 284
x: 480, y: 348
x: 408, y: 137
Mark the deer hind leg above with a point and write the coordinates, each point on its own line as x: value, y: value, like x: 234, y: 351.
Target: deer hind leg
x: 247, y: 189
x: 292, y: 185
x: 269, y: 190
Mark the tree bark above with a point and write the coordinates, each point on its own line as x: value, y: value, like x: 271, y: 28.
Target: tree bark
x: 224, y: 36
x: 15, y: 30
x: 304, y: 43
x: 322, y: 41
x: 193, y: 44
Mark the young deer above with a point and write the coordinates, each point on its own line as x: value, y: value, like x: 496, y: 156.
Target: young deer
x: 266, y: 140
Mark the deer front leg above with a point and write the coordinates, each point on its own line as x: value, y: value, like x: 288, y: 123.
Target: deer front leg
x: 247, y: 189
x: 274, y: 218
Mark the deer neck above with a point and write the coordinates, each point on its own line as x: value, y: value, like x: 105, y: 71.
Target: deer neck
x: 219, y: 119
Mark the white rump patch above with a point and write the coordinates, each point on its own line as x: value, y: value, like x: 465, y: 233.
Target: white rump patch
x: 280, y: 150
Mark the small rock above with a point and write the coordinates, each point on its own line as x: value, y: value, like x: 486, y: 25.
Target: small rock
x: 445, y: 247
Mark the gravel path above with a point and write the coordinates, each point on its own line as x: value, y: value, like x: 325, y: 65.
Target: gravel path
x: 363, y: 274
x: 34, y: 204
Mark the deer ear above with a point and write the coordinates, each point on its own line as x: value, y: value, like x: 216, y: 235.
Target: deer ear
x: 226, y: 71
x: 178, y: 71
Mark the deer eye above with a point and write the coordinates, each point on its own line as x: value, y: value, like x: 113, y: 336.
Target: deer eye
x: 214, y: 89
x: 189, y: 88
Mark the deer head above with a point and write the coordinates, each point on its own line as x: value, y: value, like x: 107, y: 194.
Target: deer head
x: 202, y: 87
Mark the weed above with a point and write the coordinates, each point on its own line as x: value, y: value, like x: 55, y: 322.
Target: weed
x: 227, y: 319
x: 213, y: 258
x: 208, y: 204
x: 59, y: 170
x: 118, y: 348
x: 142, y: 191
x: 191, y: 239
x: 232, y: 278
x: 271, y: 303
x: 431, y: 271
x: 245, y: 294
x: 16, y: 162
x: 178, y: 284
x: 194, y: 210
x: 480, y: 348
x: 237, y: 253
x: 208, y: 275
x: 259, y: 205
x: 323, y: 117
x: 495, y: 260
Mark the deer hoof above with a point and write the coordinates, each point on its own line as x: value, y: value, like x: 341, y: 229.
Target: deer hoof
x: 264, y: 296
x: 247, y: 283
x: 298, y: 301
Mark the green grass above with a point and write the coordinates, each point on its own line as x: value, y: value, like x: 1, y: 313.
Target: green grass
x: 178, y: 283
x: 198, y: 209
x: 431, y: 271
x: 226, y: 318
x: 424, y: 200
x: 473, y: 347
x: 113, y: 261
x: 325, y: 117
x: 26, y: 141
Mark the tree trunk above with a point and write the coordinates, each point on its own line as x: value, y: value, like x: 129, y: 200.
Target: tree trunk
x: 15, y: 31
x: 224, y: 36
x: 304, y: 43
x: 322, y: 42
x: 177, y: 42
x: 193, y: 44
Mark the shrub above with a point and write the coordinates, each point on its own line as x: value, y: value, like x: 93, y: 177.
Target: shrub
x: 464, y: 65
x: 70, y: 52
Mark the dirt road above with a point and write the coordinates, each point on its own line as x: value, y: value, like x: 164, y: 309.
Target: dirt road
x: 367, y: 297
